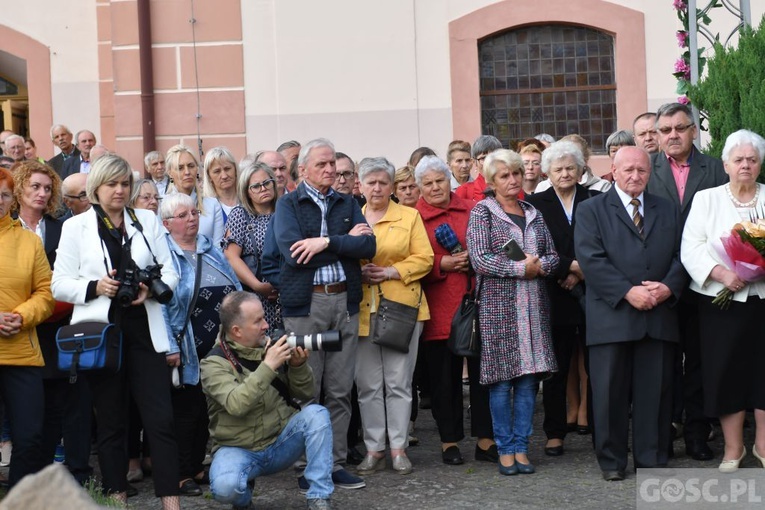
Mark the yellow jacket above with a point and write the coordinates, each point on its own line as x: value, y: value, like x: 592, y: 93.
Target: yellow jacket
x: 24, y: 289
x: 402, y: 242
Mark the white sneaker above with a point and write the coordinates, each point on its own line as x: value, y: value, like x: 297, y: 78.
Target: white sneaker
x: 6, y: 448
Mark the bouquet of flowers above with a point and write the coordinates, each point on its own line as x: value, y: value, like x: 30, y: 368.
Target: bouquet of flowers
x: 743, y: 251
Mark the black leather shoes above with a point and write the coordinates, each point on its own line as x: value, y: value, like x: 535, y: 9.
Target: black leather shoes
x: 554, y: 451
x: 489, y: 455
x: 190, y: 488
x: 613, y: 476
x: 452, y: 456
x: 698, y: 449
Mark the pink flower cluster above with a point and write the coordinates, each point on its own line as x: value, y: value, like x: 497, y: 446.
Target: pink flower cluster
x: 682, y: 67
x: 682, y: 38
x: 680, y: 5
x: 683, y: 100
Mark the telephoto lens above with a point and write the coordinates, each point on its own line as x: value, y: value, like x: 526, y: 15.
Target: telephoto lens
x: 328, y: 341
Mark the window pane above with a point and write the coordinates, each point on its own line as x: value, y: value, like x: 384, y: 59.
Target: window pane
x: 571, y: 73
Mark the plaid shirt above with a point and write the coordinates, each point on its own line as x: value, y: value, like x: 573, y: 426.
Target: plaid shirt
x: 332, y: 273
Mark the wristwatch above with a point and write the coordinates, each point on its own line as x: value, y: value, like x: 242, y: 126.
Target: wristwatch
x: 326, y: 238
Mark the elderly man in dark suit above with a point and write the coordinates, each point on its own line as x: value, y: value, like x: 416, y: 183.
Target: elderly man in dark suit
x: 627, y: 243
x: 679, y: 171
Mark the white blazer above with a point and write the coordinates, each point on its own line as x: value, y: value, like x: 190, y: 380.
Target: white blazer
x: 712, y: 216
x: 80, y: 260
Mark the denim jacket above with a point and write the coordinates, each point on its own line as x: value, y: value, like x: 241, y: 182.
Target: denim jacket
x: 176, y: 310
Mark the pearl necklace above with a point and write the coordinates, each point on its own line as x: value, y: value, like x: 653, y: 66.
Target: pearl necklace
x: 743, y: 205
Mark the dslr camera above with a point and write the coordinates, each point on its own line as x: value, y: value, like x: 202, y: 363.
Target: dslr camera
x: 328, y: 341
x: 151, y: 276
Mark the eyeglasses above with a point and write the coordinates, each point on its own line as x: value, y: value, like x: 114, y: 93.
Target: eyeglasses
x: 260, y: 185
x: 148, y: 198
x: 82, y: 197
x: 532, y: 163
x: 194, y: 213
x: 345, y: 175
x: 680, y: 129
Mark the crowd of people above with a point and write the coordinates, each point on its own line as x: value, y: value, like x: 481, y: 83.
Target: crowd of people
x: 285, y: 266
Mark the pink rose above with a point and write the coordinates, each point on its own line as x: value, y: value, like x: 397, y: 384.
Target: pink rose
x: 683, y: 100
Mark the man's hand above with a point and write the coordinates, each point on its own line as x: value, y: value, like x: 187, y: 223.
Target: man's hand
x: 299, y: 356
x: 575, y: 269
x: 277, y: 353
x: 305, y: 249
x: 455, y: 263
x: 641, y: 298
x: 361, y: 229
x: 658, y: 290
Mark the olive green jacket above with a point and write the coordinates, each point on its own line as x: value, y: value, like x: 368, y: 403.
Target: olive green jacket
x: 245, y: 410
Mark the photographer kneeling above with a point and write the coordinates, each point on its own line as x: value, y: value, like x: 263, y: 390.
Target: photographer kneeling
x: 257, y: 426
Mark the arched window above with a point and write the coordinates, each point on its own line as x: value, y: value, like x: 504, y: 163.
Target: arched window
x: 556, y: 79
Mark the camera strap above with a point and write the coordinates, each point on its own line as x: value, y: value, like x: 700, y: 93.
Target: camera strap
x: 222, y: 349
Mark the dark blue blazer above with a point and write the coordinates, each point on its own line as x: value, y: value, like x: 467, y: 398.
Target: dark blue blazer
x: 614, y: 258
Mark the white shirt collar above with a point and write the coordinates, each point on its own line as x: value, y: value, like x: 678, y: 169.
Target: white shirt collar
x: 625, y: 198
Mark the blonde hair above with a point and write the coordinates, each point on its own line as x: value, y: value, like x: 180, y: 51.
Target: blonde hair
x: 171, y: 166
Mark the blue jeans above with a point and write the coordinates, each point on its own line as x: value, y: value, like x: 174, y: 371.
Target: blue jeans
x: 512, y: 417
x: 309, y: 432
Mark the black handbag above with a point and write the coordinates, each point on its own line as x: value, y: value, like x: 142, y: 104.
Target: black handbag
x: 89, y: 346
x: 395, y: 323
x: 465, y: 335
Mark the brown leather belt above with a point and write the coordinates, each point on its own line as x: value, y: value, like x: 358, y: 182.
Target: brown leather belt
x: 330, y: 288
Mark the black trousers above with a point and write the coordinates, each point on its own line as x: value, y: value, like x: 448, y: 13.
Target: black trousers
x: 137, y: 447
x: 696, y: 425
x: 445, y: 373
x: 146, y: 375
x: 22, y: 392
x: 565, y: 338
x: 191, y: 429
x: 642, y: 369
x: 68, y: 412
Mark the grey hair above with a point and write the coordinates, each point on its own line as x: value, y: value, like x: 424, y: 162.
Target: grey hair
x: 56, y: 126
x: 150, y: 157
x: 243, y: 183
x: 511, y: 159
x: 431, y: 164
x: 172, y: 202
x: 306, y: 149
x: 106, y: 168
x: 216, y: 154
x: 137, y: 185
x: 560, y: 150
x: 669, y: 109
x: 485, y: 144
x: 81, y: 131
x: 231, y: 308
x: 288, y: 145
x: 544, y: 137
x: 372, y: 165
x: 620, y: 138
x: 13, y: 137
x: 743, y: 137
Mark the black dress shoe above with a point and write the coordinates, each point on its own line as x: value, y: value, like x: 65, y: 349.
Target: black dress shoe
x: 613, y: 476
x: 554, y: 451
x: 698, y: 449
x: 452, y: 456
x: 583, y: 430
x: 190, y: 488
x: 354, y: 457
x: 489, y: 455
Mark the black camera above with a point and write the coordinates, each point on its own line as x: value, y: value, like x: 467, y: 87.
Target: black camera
x: 328, y: 341
x: 151, y: 276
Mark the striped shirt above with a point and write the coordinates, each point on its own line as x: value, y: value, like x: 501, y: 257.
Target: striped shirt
x: 332, y: 273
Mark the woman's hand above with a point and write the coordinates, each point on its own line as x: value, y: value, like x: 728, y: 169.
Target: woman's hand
x: 569, y: 282
x: 728, y: 278
x: 533, y: 267
x: 10, y: 324
x: 108, y: 286
x: 173, y: 360
x: 455, y: 263
x: 576, y: 270
x: 374, y: 274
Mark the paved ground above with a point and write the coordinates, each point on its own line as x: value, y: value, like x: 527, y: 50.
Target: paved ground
x: 572, y: 481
